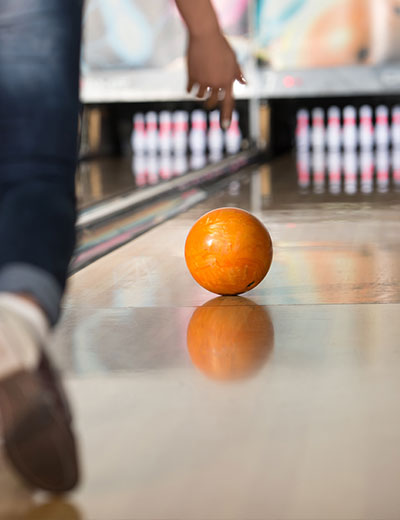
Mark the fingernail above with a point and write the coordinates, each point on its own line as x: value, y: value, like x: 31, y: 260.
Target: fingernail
x: 226, y: 124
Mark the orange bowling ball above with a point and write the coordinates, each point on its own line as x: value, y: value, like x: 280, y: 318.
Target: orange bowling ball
x: 228, y: 251
x: 230, y: 338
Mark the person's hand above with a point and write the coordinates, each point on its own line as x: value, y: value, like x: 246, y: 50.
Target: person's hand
x: 213, y: 68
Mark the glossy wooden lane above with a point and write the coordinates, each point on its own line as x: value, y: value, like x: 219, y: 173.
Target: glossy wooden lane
x: 282, y: 404
x: 332, y: 251
x: 309, y: 430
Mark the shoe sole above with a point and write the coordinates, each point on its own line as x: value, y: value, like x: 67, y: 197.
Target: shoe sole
x: 38, y: 440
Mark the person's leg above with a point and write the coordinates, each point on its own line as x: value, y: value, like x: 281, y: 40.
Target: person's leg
x: 39, y: 64
x: 39, y: 78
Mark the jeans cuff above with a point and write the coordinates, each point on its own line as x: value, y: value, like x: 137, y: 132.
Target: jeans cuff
x: 27, y: 278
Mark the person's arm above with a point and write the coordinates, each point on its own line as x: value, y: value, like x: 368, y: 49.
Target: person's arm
x: 212, y: 63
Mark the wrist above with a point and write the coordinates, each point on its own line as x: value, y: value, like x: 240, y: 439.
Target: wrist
x: 205, y: 30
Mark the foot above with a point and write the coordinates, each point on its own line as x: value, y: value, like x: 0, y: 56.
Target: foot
x: 36, y: 419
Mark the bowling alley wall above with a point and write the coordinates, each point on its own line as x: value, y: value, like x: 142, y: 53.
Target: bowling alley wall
x: 328, y: 33
x: 295, y: 54
x: 283, y: 34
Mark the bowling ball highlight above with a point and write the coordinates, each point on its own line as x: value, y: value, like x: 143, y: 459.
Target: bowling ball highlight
x: 230, y: 338
x: 228, y: 251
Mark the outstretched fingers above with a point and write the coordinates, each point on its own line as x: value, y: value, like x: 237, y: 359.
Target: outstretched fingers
x: 227, y: 105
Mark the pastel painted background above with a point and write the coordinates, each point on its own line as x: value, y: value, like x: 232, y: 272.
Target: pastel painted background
x: 287, y: 33
x: 149, y: 33
x: 325, y: 33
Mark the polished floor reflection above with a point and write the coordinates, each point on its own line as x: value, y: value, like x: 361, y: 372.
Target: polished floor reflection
x: 281, y: 403
x: 103, y: 179
x: 349, y: 172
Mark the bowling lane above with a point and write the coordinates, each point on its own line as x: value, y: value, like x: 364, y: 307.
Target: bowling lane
x: 329, y: 247
x: 281, y: 403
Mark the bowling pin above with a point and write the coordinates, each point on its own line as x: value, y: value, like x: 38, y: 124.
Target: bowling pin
x: 382, y: 136
x: 153, y: 168
x: 139, y: 169
x: 382, y: 169
x: 165, y: 166
x: 318, y: 129
x: 198, y: 161
x: 198, y: 132
x: 366, y: 129
x: 318, y: 163
x: 302, y: 130
x: 303, y: 168
x: 334, y: 171
x: 165, y: 135
x: 367, y: 170
x: 215, y: 136
x: 138, y: 138
x: 151, y: 132
x: 333, y: 137
x: 396, y: 167
x: 180, y: 132
x: 395, y: 127
x: 180, y: 164
x: 350, y: 171
x: 233, y: 135
x: 349, y: 128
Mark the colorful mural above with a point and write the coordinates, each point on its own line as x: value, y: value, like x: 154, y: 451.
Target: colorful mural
x: 122, y: 34
x: 146, y: 34
x: 326, y: 33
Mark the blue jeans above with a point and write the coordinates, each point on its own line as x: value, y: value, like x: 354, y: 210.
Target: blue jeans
x: 39, y: 104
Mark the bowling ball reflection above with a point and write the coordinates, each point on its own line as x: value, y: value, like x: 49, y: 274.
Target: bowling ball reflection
x: 230, y: 337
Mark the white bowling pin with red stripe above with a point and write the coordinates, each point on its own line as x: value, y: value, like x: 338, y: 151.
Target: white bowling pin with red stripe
x: 151, y: 132
x: 198, y: 132
x: 215, y: 136
x: 318, y: 129
x: 302, y: 130
x: 165, y: 133
x: 138, y: 138
x: 180, y: 129
x: 366, y: 129
x: 349, y: 128
x: 382, y: 135
x: 333, y: 136
x: 233, y: 135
